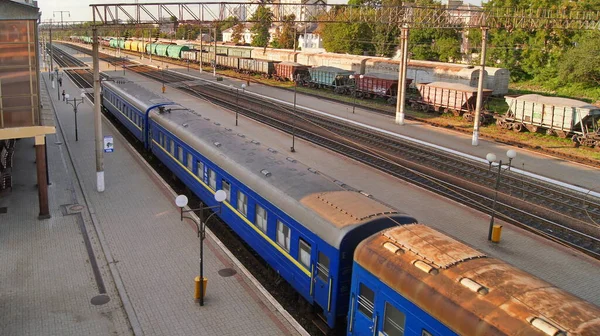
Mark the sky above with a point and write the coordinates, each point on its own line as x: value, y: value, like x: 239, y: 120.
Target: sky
x: 79, y: 10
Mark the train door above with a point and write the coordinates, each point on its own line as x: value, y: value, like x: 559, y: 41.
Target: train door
x: 363, y: 316
x: 322, y: 283
x: 392, y: 320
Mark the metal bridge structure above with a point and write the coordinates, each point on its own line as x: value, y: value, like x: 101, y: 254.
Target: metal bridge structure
x: 406, y: 17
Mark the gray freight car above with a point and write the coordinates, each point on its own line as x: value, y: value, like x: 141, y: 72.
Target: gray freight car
x: 266, y: 68
x: 557, y: 116
x: 330, y: 77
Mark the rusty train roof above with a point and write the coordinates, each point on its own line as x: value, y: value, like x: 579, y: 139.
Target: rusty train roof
x: 469, y: 292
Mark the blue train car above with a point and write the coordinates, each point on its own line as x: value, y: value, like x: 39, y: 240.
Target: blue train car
x: 303, y: 224
x: 413, y: 280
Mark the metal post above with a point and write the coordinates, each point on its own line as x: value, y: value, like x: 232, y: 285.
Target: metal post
x: 46, y: 158
x: 354, y: 96
x: 475, y: 141
x: 97, y: 114
x: 215, y: 54
x: 201, y: 51
x: 201, y: 235
x: 57, y: 86
x: 237, y: 105
x: 293, y: 149
x: 495, y: 198
x: 51, y: 53
x: 402, y: 78
x: 75, y: 110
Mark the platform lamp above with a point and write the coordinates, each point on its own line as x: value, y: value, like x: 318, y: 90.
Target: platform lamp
x: 354, y: 93
x: 75, y: 102
x: 181, y: 201
x: 491, y: 158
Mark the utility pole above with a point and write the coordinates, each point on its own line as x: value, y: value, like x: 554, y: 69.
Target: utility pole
x: 475, y: 141
x: 402, y: 78
x: 51, y: 53
x: 61, y: 16
x: 97, y: 114
x: 215, y: 53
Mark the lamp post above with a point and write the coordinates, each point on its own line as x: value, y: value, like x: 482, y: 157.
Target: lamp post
x: 354, y: 93
x: 75, y: 102
x: 491, y: 158
x: 57, y: 82
x: 293, y: 148
x: 182, y: 202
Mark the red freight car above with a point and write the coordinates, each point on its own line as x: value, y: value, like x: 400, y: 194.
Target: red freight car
x: 443, y: 97
x: 373, y: 84
x: 285, y: 71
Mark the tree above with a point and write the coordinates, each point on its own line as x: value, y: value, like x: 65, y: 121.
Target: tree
x: 237, y: 36
x: 263, y: 17
x: 352, y: 38
x: 581, y: 63
x: 285, y: 37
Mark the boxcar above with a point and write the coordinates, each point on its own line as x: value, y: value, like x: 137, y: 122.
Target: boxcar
x: 174, y: 51
x: 330, y: 77
x: 290, y: 71
x: 257, y: 66
x: 413, y: 280
x: 443, y: 97
x: 560, y: 116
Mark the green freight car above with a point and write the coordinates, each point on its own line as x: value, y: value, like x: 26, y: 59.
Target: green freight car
x: 174, y: 50
x: 330, y: 77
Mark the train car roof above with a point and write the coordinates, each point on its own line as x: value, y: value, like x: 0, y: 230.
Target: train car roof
x: 463, y: 287
x: 452, y: 86
x: 555, y: 101
x: 135, y: 94
x: 325, y: 206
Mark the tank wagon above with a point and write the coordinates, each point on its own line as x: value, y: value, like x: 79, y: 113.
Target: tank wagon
x: 413, y: 280
x: 443, y: 97
x: 556, y: 116
x: 329, y: 77
x: 350, y: 256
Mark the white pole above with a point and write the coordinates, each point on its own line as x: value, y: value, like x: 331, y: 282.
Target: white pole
x: 475, y: 141
x: 97, y: 114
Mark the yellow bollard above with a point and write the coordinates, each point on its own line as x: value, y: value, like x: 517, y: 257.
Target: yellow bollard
x: 496, y: 233
x: 197, y: 287
x: 164, y: 89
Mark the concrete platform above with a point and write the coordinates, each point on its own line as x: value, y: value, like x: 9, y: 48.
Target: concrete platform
x: 554, y: 263
x: 146, y: 257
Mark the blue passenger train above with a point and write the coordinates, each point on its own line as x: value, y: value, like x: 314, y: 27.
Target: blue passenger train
x: 307, y: 227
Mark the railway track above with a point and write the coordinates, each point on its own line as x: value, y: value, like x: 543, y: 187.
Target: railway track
x: 560, y: 214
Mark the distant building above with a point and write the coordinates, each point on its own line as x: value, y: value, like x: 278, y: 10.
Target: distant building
x: 247, y: 36
x: 309, y: 40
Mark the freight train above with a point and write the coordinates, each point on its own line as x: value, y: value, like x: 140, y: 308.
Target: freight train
x: 365, y: 267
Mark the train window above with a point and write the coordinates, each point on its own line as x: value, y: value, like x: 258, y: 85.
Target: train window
x: 160, y: 138
x: 261, y: 218
x: 426, y: 333
x: 172, y: 148
x: 200, y: 170
x: 304, y: 253
x: 393, y: 321
x: 227, y: 189
x: 242, y: 203
x: 212, y: 179
x: 366, y: 298
x: 180, y: 154
x: 323, y: 267
x: 283, y: 235
x: 190, y: 163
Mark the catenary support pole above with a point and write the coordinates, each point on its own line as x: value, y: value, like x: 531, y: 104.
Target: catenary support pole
x: 215, y: 54
x: 97, y: 114
x: 402, y: 78
x: 51, y: 53
x: 475, y: 142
